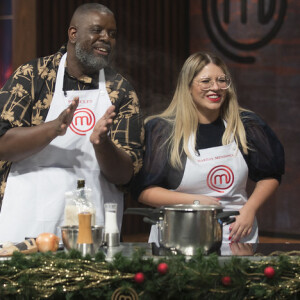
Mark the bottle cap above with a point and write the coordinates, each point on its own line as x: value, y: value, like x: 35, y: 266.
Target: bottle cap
x: 80, y: 183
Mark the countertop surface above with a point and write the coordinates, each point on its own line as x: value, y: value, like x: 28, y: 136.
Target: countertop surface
x: 252, y: 251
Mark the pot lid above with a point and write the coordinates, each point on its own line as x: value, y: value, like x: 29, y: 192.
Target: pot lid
x: 192, y: 207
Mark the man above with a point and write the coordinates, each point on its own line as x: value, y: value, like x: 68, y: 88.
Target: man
x: 58, y: 124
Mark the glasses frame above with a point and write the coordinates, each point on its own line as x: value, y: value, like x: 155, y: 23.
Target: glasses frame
x: 228, y: 79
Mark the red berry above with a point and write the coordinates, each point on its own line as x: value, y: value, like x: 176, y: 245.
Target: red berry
x: 139, y: 277
x: 269, y: 272
x: 226, y: 280
x: 162, y: 268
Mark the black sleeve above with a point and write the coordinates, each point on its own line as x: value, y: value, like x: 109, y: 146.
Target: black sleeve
x: 156, y: 170
x: 265, y: 157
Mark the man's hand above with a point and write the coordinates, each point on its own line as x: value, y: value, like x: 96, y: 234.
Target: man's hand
x: 115, y: 164
x: 21, y: 142
x: 65, y: 118
x: 102, y: 126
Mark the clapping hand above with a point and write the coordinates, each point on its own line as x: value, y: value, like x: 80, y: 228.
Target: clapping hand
x: 102, y: 126
x: 65, y: 118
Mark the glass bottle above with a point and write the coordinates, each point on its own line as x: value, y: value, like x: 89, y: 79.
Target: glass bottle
x: 78, y: 201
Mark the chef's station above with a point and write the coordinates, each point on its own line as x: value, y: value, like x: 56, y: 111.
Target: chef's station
x: 190, y: 262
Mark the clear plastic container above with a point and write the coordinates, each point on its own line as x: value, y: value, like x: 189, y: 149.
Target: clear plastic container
x: 78, y: 201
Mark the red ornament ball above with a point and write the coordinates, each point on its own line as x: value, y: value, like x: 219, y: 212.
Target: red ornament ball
x: 162, y: 268
x: 139, y: 277
x: 269, y: 272
x: 226, y: 280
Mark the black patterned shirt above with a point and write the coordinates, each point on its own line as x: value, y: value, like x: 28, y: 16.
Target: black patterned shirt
x: 26, y: 97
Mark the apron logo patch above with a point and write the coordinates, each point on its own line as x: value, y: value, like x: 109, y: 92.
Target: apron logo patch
x: 220, y: 178
x: 83, y: 121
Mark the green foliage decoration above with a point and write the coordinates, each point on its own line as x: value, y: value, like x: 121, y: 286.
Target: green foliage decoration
x: 70, y: 276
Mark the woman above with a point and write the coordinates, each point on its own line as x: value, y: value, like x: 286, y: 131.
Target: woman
x: 204, y: 147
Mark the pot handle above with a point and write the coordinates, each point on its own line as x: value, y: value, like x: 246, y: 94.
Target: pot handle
x: 149, y: 221
x: 152, y: 213
x: 225, y: 216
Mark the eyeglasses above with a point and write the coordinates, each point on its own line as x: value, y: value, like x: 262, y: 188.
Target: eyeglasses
x: 205, y: 83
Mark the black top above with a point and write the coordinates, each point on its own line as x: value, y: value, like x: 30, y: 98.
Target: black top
x: 265, y: 159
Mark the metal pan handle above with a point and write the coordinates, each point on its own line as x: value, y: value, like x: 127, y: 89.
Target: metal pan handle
x: 151, y: 213
x: 149, y: 221
x: 225, y: 216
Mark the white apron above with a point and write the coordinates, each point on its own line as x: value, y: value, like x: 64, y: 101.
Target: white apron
x: 34, y: 197
x: 219, y: 172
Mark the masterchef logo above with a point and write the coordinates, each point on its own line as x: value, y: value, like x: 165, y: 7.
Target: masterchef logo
x: 83, y: 121
x: 124, y: 293
x: 240, y: 27
x: 220, y: 178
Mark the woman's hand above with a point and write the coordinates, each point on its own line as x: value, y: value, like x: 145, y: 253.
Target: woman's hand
x: 241, y: 249
x: 157, y: 196
x: 244, y: 222
x: 242, y: 225
x: 206, y: 200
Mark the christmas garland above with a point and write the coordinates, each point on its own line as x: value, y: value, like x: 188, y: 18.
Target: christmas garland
x: 71, y: 276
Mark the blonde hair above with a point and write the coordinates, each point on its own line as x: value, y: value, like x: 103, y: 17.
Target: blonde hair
x: 181, y: 114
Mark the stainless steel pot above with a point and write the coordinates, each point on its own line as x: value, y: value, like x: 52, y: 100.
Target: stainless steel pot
x: 185, y: 228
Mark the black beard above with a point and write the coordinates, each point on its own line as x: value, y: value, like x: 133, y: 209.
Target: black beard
x: 90, y: 62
